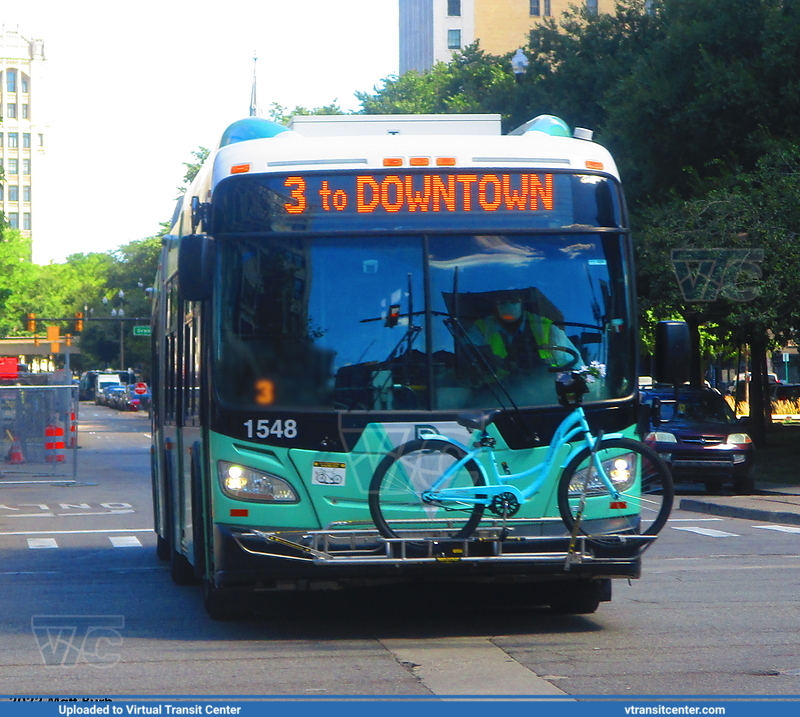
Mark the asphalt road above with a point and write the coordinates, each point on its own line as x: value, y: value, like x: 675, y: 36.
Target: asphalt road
x: 88, y: 610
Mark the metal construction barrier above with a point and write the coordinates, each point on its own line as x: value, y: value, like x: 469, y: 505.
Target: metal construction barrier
x: 38, y: 431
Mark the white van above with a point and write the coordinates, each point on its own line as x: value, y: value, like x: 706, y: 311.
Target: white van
x: 104, y: 380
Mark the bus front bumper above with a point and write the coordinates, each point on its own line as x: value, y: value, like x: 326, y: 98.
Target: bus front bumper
x: 290, y: 560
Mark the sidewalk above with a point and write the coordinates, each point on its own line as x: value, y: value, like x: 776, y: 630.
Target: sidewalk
x: 771, y: 503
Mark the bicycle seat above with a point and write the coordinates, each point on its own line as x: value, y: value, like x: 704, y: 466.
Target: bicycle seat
x: 478, y: 421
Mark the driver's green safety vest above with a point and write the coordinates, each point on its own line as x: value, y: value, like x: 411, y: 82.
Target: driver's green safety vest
x: 539, y: 326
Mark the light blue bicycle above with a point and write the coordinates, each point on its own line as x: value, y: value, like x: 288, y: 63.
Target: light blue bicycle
x: 436, y: 487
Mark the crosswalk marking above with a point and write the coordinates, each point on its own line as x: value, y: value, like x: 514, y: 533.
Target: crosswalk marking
x: 77, y: 532
x: 117, y: 541
x: 781, y: 528
x: 695, y: 520
x: 709, y: 532
x: 37, y: 543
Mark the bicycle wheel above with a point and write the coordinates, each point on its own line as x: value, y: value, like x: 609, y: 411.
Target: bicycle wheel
x: 395, y: 493
x: 639, y: 474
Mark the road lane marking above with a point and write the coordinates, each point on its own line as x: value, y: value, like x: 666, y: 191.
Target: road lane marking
x: 114, y: 506
x: 467, y: 666
x: 693, y: 520
x: 78, y: 532
x: 61, y: 481
x: 37, y: 543
x: 781, y: 528
x: 125, y: 541
x: 708, y: 532
x: 61, y: 515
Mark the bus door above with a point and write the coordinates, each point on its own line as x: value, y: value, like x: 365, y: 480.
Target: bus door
x: 190, y: 436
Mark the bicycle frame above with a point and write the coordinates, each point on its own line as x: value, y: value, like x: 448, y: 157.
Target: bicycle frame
x: 573, y: 425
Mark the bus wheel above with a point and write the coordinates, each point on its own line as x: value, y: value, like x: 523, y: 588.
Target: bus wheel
x: 163, y: 548
x: 181, y: 570
x: 221, y: 604
x: 582, y: 598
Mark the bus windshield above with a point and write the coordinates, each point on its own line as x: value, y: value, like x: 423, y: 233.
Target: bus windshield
x: 419, y: 321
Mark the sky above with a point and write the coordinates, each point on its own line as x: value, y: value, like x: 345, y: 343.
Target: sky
x: 134, y: 88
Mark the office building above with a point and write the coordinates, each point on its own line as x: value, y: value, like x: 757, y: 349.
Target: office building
x: 432, y: 30
x: 22, y: 137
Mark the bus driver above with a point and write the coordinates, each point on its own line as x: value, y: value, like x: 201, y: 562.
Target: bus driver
x: 520, y: 341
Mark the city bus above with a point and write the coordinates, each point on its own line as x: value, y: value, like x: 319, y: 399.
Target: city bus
x: 334, y: 288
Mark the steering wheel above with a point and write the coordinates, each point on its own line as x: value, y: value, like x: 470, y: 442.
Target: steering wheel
x: 574, y: 355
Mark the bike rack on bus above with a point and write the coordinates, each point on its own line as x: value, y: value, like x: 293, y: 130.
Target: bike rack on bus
x: 364, y: 546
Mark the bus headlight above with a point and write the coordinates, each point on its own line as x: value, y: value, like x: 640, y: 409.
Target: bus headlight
x: 243, y: 483
x: 621, y: 471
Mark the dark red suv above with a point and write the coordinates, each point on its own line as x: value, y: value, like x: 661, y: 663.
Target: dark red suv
x: 701, y: 439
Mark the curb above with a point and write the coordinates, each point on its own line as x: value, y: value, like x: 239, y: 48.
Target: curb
x: 735, y: 511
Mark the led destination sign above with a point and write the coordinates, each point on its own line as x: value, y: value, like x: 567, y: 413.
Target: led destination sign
x: 413, y: 201
x: 395, y: 193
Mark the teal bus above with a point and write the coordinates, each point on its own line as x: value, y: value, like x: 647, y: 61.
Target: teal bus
x: 332, y: 289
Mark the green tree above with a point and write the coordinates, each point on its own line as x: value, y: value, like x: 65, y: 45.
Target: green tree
x: 280, y: 114
x: 707, y: 96
x: 15, y: 271
x: 473, y: 82
x: 192, y: 168
x: 754, y: 210
x: 130, y: 269
x: 576, y: 63
x: 573, y: 66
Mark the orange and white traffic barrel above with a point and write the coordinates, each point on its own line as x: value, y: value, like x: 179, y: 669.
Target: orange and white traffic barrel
x: 73, y: 430
x: 54, y: 444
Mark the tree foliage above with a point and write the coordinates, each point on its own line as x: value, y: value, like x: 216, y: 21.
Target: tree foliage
x: 192, y: 168
x: 280, y: 114
x: 473, y: 82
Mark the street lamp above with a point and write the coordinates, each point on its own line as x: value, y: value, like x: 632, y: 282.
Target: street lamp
x: 120, y: 312
x: 519, y: 64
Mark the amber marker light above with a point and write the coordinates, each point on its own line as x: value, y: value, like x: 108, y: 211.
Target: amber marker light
x: 392, y: 161
x: 445, y: 161
x: 240, y: 168
x: 591, y: 164
x: 419, y: 161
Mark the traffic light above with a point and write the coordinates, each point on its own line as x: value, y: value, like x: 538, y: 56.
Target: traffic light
x: 32, y: 323
x: 53, y: 337
x: 79, y: 321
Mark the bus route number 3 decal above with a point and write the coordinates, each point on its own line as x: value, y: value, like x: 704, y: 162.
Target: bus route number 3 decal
x: 263, y: 428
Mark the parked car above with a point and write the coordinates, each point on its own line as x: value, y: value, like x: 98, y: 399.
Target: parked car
x: 785, y: 392
x: 92, y: 381
x: 132, y: 400
x: 701, y: 439
x: 107, y: 396
x: 740, y: 388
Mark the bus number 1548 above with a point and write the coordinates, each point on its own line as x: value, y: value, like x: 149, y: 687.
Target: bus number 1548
x: 263, y: 429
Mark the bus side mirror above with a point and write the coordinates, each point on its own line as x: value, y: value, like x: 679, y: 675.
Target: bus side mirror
x: 196, y: 256
x: 673, y: 352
